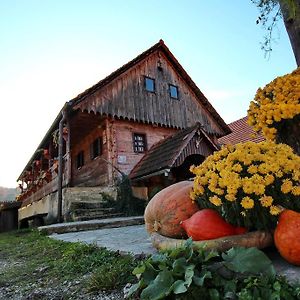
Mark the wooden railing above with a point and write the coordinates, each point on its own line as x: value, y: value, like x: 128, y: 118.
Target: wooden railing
x: 45, y: 185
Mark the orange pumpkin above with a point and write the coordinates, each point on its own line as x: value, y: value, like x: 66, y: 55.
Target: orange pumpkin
x: 207, y: 224
x: 287, y: 236
x: 168, y: 208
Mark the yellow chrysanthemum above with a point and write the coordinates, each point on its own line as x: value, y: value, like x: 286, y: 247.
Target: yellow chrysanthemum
x: 296, y: 190
x: 215, y: 200
x: 252, y: 169
x: 287, y: 186
x: 277, y: 101
x: 266, y: 201
x: 230, y: 197
x: 247, y: 203
x: 275, y: 210
x: 250, y: 175
x: 269, y: 179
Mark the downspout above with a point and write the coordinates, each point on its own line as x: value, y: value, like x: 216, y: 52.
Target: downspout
x: 60, y: 165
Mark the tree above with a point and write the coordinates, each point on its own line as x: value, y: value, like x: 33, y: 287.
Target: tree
x: 269, y: 13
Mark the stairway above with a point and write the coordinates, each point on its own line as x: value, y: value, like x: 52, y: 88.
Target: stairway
x: 84, y: 211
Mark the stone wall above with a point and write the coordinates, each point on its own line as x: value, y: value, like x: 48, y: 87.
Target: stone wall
x: 47, y: 206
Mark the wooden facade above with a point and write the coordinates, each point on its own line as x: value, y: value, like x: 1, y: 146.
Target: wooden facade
x: 106, y: 117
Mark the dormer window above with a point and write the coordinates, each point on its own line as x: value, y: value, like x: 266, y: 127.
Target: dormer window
x: 150, y: 84
x: 139, y: 143
x: 173, y: 89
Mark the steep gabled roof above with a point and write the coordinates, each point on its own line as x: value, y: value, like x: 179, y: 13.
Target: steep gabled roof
x: 162, y: 47
x: 241, y: 132
x: 172, y: 151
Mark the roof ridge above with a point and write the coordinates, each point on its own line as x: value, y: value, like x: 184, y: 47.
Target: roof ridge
x: 80, y: 97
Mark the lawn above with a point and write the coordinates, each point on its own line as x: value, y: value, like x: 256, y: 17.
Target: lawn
x: 30, y: 262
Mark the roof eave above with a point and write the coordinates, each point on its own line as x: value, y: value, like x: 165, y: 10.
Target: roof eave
x: 45, y: 139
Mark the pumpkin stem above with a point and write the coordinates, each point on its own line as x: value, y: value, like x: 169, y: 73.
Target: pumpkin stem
x: 156, y: 225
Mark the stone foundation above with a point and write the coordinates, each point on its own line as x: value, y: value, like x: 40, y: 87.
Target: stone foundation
x: 86, y: 197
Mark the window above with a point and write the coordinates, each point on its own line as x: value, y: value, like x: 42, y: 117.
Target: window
x: 79, y: 160
x: 139, y: 143
x: 150, y: 84
x: 96, y: 148
x: 173, y: 89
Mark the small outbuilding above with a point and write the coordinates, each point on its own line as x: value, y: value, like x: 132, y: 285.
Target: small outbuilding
x: 9, y: 215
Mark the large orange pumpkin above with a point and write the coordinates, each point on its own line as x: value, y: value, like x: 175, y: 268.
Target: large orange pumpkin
x: 287, y: 236
x: 168, y: 208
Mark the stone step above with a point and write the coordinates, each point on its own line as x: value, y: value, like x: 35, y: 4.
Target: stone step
x: 95, y: 216
x: 83, y: 211
x: 86, y: 205
x: 91, y: 225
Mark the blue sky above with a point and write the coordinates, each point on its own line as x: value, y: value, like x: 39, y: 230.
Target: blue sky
x: 53, y: 50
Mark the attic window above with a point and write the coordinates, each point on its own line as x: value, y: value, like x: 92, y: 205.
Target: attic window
x: 150, y: 84
x: 173, y: 89
x: 80, y: 160
x: 95, y: 148
x: 139, y: 143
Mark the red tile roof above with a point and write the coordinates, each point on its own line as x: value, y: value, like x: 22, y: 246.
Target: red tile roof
x: 241, y: 132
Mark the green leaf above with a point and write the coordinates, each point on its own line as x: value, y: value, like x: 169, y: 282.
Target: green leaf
x: 230, y: 296
x: 176, y: 252
x: 160, y: 287
x: 189, y: 273
x: 139, y: 269
x: 188, y: 250
x: 159, y: 258
x: 179, y: 266
x: 150, y: 273
x: 179, y: 287
x: 248, y: 260
x: 133, y: 289
x: 199, y: 280
x: 214, y: 294
x: 211, y: 254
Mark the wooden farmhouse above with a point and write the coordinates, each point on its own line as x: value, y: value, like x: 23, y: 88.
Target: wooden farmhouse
x: 147, y: 120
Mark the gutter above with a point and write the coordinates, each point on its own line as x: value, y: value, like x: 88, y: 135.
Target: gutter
x: 165, y: 172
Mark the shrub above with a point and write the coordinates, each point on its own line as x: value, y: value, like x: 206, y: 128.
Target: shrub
x: 183, y: 273
x: 249, y: 183
x: 275, y: 110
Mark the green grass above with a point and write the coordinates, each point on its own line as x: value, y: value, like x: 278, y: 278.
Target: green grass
x: 35, y: 258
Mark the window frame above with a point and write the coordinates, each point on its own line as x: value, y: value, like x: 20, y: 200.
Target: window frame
x: 80, y: 160
x: 145, y: 84
x: 94, y: 154
x: 136, y: 144
x: 170, y: 91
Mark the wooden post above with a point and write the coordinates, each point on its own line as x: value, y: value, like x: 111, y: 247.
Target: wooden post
x: 68, y: 167
x: 109, y: 151
x: 60, y: 168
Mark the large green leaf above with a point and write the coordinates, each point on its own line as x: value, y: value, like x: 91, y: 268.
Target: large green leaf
x: 149, y: 273
x: 179, y: 287
x: 179, y: 266
x: 160, y: 287
x: 248, y: 260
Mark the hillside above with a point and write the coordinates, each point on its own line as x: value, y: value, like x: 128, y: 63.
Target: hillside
x: 7, y: 194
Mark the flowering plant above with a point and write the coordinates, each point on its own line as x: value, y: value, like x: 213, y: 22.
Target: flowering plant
x: 249, y: 183
x: 277, y: 101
